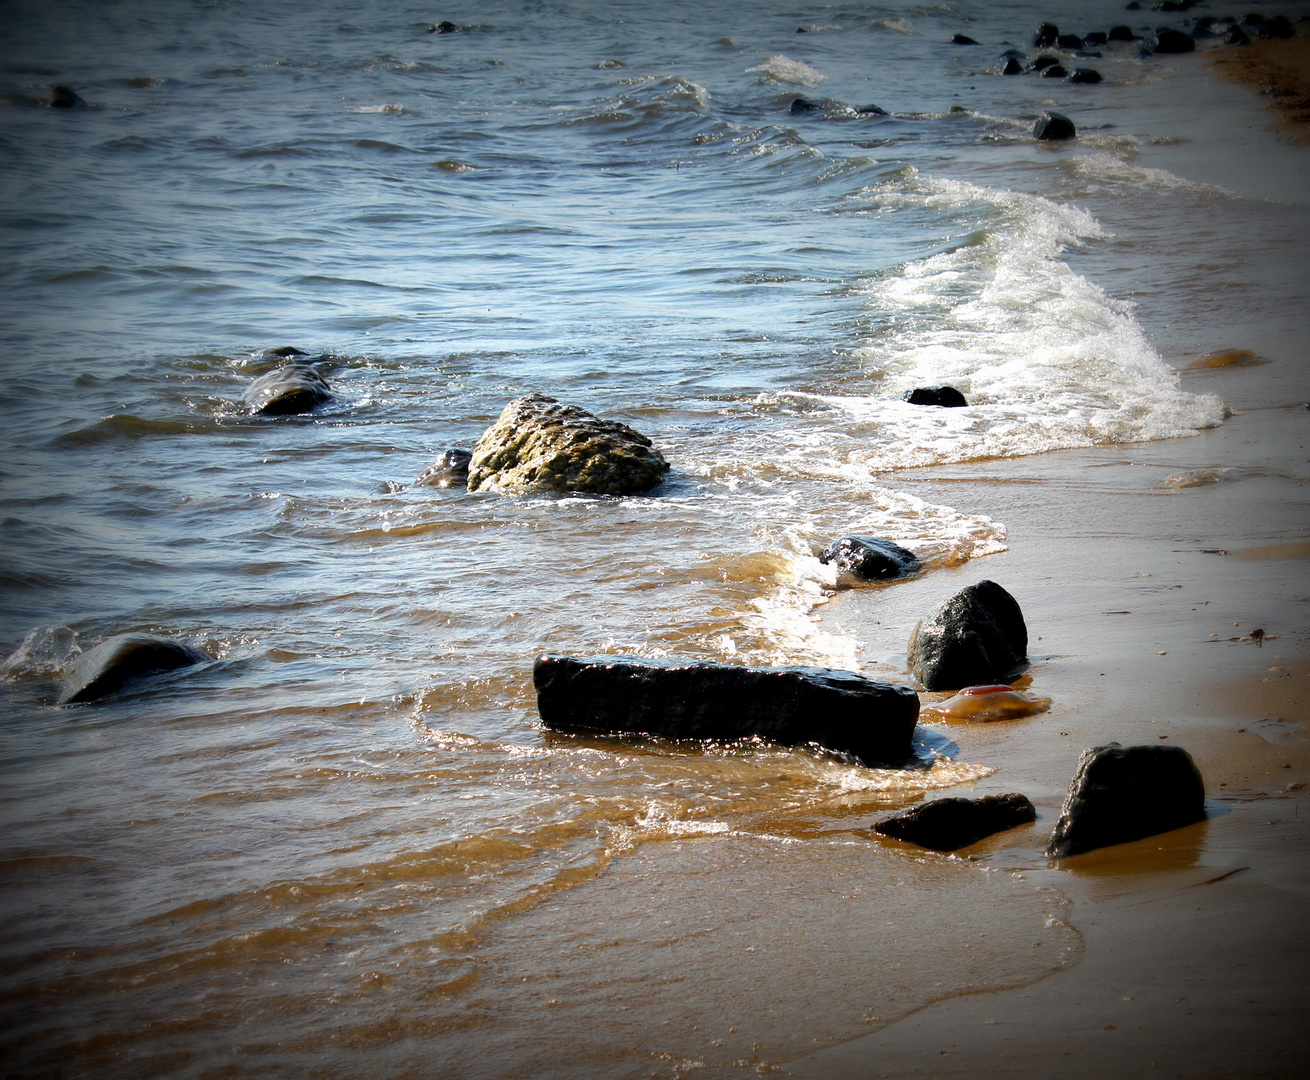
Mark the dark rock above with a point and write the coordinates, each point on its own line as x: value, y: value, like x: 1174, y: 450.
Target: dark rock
x: 540, y: 444
x: 946, y: 397
x: 61, y: 97
x: 800, y: 105
x: 1012, y: 67
x: 103, y: 670
x: 1122, y: 793
x: 1054, y: 126
x: 444, y: 27
x: 1084, y: 75
x: 1254, y: 18
x: 872, y: 110
x: 870, y: 558
x: 1171, y: 41
x: 295, y: 388
x: 963, y: 39
x: 840, y: 711
x: 950, y: 824
x: 1279, y: 27
x: 1055, y: 71
x: 1045, y: 61
x: 448, y: 471
x: 1046, y: 36
x: 974, y: 638
x: 1069, y: 42
x: 1236, y: 36
x: 283, y: 352
x: 1096, y: 37
x: 1122, y: 33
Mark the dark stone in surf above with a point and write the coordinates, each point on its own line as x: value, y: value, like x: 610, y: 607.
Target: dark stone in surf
x: 954, y: 823
x: 61, y: 97
x: 284, y: 352
x: 963, y: 39
x: 1069, y: 42
x: 1278, y: 28
x: 103, y: 670
x: 1084, y: 75
x: 975, y: 637
x: 1123, y: 793
x: 944, y: 397
x: 872, y: 110
x: 1054, y: 127
x: 1012, y: 67
x: 1236, y: 36
x: 1046, y: 36
x: 444, y: 27
x: 448, y: 471
x: 1171, y: 41
x: 870, y: 558
x: 1044, y: 61
x: 1122, y: 33
x: 1055, y: 71
x: 801, y: 105
x: 1096, y: 37
x: 841, y: 711
x: 295, y: 388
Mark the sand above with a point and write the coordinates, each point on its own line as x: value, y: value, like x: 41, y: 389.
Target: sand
x: 1167, y: 590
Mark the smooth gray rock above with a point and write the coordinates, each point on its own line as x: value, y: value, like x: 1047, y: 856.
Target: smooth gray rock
x: 870, y: 558
x: 975, y: 637
x: 953, y: 823
x: 294, y: 388
x: 1122, y: 793
x: 688, y: 699
x: 448, y: 471
x: 103, y: 670
x: 540, y: 444
x: 1054, y: 127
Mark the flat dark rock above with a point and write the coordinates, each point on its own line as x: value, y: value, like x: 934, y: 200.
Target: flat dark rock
x: 975, y: 637
x: 1123, y: 793
x: 103, y: 670
x: 954, y: 823
x: 870, y: 558
x: 292, y: 389
x: 841, y: 711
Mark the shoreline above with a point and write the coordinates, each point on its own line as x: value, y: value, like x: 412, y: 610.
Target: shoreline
x: 1279, y: 71
x: 1142, y: 570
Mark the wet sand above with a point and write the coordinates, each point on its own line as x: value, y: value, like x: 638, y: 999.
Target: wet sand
x: 1145, y: 572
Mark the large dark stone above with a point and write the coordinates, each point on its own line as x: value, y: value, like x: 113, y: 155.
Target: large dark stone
x: 946, y: 397
x: 1055, y: 71
x: 448, y: 471
x: 963, y: 39
x: 1279, y: 27
x: 103, y: 670
x: 870, y: 558
x: 1047, y: 35
x: 1122, y: 33
x: 1071, y: 42
x: 63, y: 97
x: 1171, y: 41
x: 1122, y: 793
x: 975, y: 637
x: 295, y: 388
x: 540, y: 444
x: 1084, y: 75
x: 687, y: 699
x: 1054, y: 126
x: 1013, y: 66
x: 950, y: 824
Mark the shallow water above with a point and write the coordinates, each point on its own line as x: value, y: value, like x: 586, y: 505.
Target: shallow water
x: 351, y: 822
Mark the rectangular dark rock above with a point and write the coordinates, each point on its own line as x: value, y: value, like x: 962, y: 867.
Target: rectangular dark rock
x: 689, y: 699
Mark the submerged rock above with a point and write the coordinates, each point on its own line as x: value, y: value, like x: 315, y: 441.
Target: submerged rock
x: 945, y: 397
x: 1122, y: 793
x: 1084, y: 75
x: 963, y: 39
x: 294, y: 388
x: 539, y: 444
x: 975, y: 637
x: 1054, y: 126
x: 688, y: 699
x: 103, y: 670
x: 1047, y: 35
x: 448, y: 471
x: 870, y: 558
x: 63, y: 97
x: 950, y: 824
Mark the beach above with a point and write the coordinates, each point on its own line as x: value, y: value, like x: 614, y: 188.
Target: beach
x: 1143, y: 572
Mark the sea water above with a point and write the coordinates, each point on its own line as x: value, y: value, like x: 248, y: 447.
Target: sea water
x: 347, y: 847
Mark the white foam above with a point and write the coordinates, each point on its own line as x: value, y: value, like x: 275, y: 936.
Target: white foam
x: 782, y: 69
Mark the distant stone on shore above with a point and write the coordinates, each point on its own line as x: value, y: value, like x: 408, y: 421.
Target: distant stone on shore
x: 103, y: 670
x: 1171, y: 41
x: 870, y: 558
x: 953, y: 823
x: 975, y: 637
x: 945, y: 397
x: 841, y: 711
x: 1123, y: 793
x: 448, y: 471
x: 293, y: 388
x: 540, y: 444
x: 1054, y: 126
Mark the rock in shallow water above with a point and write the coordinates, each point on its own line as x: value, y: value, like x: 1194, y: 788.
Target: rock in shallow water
x: 294, y: 388
x: 103, y: 670
x: 1122, y: 793
x: 448, y: 471
x: 870, y: 558
x: 688, y: 699
x: 540, y: 444
x: 1054, y: 127
x: 950, y: 824
x: 975, y: 637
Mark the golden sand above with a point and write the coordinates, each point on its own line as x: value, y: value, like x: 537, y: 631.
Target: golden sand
x: 1280, y: 72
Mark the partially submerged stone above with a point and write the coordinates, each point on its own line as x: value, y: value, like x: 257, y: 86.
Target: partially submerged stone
x: 448, y: 471
x: 293, y: 388
x: 842, y: 711
x: 944, y: 397
x: 1123, y: 793
x: 954, y: 823
x: 103, y: 670
x: 540, y: 444
x: 1054, y: 127
x: 975, y: 637
x: 870, y: 558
